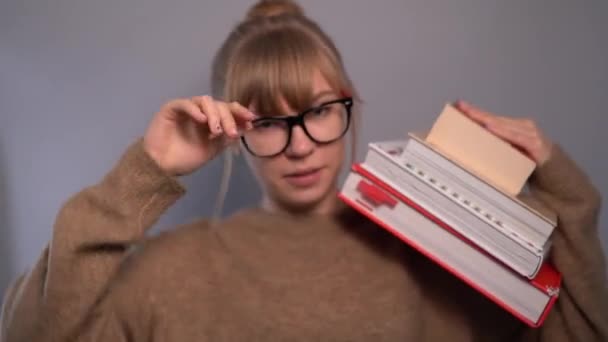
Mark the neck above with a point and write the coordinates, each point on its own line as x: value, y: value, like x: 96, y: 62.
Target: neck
x: 326, y: 206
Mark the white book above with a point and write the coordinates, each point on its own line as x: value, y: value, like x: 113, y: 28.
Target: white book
x: 434, y: 194
x: 528, y: 300
x: 535, y: 222
x: 507, y: 214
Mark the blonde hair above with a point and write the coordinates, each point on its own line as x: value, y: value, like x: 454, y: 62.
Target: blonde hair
x: 272, y: 54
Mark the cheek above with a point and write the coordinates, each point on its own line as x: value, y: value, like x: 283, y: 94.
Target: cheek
x: 266, y: 170
x: 334, y: 154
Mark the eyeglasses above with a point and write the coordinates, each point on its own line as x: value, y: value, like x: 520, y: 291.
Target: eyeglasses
x: 323, y: 124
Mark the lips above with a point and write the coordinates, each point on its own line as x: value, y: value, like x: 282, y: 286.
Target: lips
x: 304, y: 178
x: 302, y: 172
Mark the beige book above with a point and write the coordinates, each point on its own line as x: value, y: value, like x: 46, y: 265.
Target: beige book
x: 480, y: 151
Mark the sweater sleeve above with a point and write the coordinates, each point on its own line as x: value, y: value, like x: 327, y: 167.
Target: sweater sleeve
x: 91, y: 237
x: 581, y: 311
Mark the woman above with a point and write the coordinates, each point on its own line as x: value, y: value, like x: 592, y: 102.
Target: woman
x: 301, y: 266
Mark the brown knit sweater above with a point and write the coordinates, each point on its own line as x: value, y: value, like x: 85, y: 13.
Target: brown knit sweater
x: 270, y: 277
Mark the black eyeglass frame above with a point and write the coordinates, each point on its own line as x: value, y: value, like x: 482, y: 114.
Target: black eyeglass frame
x: 298, y: 120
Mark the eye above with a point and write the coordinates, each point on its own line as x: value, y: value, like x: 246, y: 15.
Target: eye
x: 320, y: 111
x: 266, y: 124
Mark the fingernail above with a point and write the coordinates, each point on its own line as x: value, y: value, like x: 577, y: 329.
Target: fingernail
x: 234, y: 131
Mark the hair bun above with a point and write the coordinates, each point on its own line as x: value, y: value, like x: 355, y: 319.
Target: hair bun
x: 271, y: 8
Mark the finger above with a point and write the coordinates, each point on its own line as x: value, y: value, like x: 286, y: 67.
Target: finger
x: 213, y: 116
x: 240, y: 112
x: 514, y: 126
x: 480, y: 116
x: 523, y: 126
x: 488, y: 119
x: 227, y: 120
x: 198, y: 100
x: 475, y: 113
x: 183, y: 106
x: 242, y: 115
x: 513, y: 129
x: 527, y: 143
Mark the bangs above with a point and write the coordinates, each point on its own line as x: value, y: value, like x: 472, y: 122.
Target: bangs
x: 280, y: 64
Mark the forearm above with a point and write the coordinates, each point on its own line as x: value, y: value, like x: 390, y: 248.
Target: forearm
x: 581, y: 312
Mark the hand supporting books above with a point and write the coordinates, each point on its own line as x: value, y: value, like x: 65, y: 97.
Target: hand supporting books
x: 523, y: 134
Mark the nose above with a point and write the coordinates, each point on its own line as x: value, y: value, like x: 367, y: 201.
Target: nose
x: 300, y: 144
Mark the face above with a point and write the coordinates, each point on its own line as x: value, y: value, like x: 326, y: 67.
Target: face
x: 304, y: 177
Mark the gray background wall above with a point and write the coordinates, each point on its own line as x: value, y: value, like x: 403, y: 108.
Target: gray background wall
x: 79, y: 80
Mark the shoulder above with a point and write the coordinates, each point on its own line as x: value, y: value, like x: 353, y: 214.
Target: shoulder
x: 160, y: 266
x: 169, y: 273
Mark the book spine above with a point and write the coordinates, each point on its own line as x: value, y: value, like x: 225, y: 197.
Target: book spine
x: 503, y: 222
x: 473, y: 205
x: 509, y: 252
x: 530, y: 220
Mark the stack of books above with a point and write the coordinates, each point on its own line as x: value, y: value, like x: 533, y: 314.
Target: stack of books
x: 457, y: 195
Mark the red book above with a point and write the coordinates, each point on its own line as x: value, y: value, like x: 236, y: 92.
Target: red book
x: 530, y: 300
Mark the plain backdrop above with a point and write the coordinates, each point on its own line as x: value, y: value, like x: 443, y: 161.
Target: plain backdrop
x: 80, y: 79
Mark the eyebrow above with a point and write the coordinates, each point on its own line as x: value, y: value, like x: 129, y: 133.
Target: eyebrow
x: 321, y: 94
x: 315, y: 98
